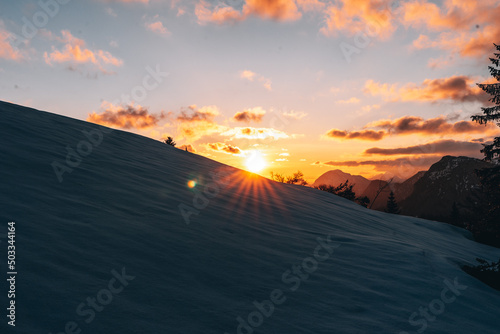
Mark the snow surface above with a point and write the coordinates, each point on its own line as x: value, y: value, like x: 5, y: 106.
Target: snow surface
x: 119, y: 208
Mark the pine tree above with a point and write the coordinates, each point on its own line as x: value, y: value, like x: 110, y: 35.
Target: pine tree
x: 170, y: 141
x: 392, y: 205
x: 491, y: 114
x: 487, y: 227
x: 363, y: 201
x: 345, y: 190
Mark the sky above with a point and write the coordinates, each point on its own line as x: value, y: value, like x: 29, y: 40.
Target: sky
x: 376, y: 88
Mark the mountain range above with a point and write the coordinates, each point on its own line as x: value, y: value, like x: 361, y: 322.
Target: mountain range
x: 429, y: 194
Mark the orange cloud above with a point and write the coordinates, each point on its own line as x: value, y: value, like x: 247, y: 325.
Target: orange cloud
x: 445, y: 146
x: 250, y: 76
x: 467, y: 44
x: 359, y: 16
x: 467, y: 28
x: 423, y: 13
x: 352, y: 100
x: 74, y: 52
x: 481, y: 44
x: 458, y: 88
x: 7, y: 51
x: 406, y: 165
x: 195, y: 130
x: 195, y: 122
x: 157, y: 27
x: 188, y: 147
x: 218, y: 15
x: 279, y: 10
x: 453, y: 14
x: 361, y: 135
x: 223, y: 147
x: 439, y: 126
x: 194, y: 114
x: 254, y: 114
x: 295, y: 115
x: 254, y: 133
x: 413, y: 125
x: 125, y: 117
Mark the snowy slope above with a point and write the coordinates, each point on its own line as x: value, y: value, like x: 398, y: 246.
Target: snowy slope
x: 118, y: 210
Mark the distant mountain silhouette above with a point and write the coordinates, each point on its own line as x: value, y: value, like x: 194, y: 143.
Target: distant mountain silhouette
x: 336, y: 177
x: 405, y: 189
x: 427, y: 194
x: 369, y: 188
x: 388, y: 176
x: 401, y: 190
x: 452, y: 179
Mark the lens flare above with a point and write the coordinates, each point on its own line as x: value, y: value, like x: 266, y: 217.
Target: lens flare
x: 192, y: 184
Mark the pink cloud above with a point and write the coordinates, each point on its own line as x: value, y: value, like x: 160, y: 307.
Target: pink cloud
x: 467, y: 28
x: 279, y: 10
x: 157, y: 27
x: 357, y: 16
x: 7, y: 51
x: 457, y: 88
x: 125, y: 117
x: 75, y: 52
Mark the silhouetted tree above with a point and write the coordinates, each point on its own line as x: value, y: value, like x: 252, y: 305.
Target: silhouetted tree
x: 491, y: 114
x: 342, y: 190
x: 277, y: 177
x: 363, y: 201
x: 345, y: 190
x: 170, y: 141
x: 487, y: 226
x: 392, y: 205
x: 295, y: 178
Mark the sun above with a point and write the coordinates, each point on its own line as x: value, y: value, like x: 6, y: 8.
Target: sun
x: 255, y: 162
